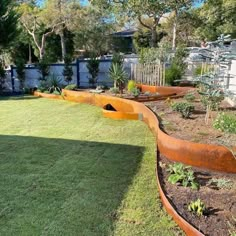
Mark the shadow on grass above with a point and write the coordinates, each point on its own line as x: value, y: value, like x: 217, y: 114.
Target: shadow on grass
x: 63, y: 187
x: 18, y: 97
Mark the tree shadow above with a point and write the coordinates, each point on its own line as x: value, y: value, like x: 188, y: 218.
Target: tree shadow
x: 18, y: 97
x: 63, y: 187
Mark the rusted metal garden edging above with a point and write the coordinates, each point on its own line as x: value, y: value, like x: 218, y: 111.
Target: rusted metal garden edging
x: 200, y: 155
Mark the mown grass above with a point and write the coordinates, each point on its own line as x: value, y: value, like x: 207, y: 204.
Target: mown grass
x: 66, y: 170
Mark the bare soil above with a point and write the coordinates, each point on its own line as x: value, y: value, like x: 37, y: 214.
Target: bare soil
x: 220, y: 216
x: 194, y: 129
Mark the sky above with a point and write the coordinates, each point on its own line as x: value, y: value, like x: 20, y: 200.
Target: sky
x: 85, y: 2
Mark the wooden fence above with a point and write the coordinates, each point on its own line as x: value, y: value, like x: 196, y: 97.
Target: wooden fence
x: 149, y: 74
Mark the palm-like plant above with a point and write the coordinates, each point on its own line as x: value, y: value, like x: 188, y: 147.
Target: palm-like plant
x: 118, y: 74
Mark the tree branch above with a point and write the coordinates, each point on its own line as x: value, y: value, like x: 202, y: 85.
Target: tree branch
x: 143, y: 24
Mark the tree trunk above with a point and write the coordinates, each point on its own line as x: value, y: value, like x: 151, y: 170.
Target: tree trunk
x: 154, y: 37
x: 63, y: 45
x: 30, y: 55
x: 174, y: 31
x: 174, y: 36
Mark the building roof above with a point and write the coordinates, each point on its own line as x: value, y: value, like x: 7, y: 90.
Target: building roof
x: 125, y: 33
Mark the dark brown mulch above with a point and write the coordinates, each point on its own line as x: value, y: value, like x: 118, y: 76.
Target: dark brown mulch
x: 220, y: 216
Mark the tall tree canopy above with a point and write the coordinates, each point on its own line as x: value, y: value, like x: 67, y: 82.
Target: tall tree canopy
x: 217, y: 17
x: 8, y: 23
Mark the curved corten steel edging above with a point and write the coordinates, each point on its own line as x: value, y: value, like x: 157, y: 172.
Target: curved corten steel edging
x: 164, y: 90
x: 47, y: 95
x: 200, y: 155
x: 183, y: 224
x: 206, y: 156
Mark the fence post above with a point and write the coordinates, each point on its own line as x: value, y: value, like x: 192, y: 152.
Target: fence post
x: 78, y: 72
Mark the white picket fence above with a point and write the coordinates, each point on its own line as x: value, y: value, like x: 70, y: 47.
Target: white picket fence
x: 149, y: 74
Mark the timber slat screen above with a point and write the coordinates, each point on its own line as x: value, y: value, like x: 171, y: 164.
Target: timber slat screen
x: 149, y: 74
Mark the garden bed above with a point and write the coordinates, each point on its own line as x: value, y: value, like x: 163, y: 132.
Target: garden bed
x: 220, y: 201
x: 193, y: 129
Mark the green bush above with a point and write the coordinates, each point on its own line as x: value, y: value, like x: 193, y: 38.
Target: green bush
x: 184, y: 108
x: 189, y: 97
x: 114, y: 90
x: 135, y: 92
x: 225, y: 122
x: 118, y: 75
x: 131, y: 85
x: 173, y: 73
x: 183, y: 175
x: 93, y: 68
x: 71, y: 87
x: 56, y: 92
x: 198, y: 71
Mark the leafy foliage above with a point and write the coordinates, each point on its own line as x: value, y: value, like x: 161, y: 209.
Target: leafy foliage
x: 182, y: 174
x: 225, y: 122
x: 93, y: 68
x: 221, y: 183
x: 131, y: 85
x: 118, y: 75
x: 20, y: 70
x: 197, y: 207
x: 2, y: 77
x: 43, y: 67
x: 184, y: 108
x: 53, y: 84
x: 172, y: 73
x: 8, y: 23
x: 67, y: 71
x: 135, y: 92
x: 114, y: 90
x: 189, y: 97
x: 71, y: 87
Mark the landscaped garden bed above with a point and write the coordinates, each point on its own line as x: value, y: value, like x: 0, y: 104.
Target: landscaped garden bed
x: 216, y: 190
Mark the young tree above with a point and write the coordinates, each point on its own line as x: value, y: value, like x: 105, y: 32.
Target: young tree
x: 67, y: 71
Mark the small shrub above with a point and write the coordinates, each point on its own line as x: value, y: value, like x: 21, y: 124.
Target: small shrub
x: 184, y: 108
x: 198, y: 71
x: 182, y: 174
x: 53, y: 83
x: 71, y: 87
x: 42, y: 86
x: 221, y: 183
x: 93, y: 68
x: 114, y: 90
x: 197, y: 207
x: 118, y: 75
x: 131, y: 85
x: 56, y: 92
x: 43, y: 68
x: 20, y: 70
x: 173, y: 73
x: 225, y: 122
x: 135, y: 92
x: 189, y: 97
x: 67, y: 71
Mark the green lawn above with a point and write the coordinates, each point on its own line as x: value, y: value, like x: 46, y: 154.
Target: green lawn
x: 66, y: 170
